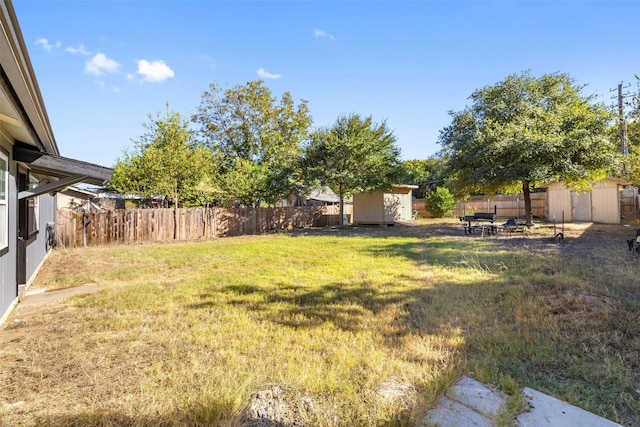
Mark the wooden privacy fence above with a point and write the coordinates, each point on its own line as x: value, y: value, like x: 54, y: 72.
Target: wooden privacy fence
x: 76, y: 229
x: 506, y: 206
x: 512, y: 205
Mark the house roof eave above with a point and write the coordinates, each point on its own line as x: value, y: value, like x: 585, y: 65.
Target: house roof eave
x: 61, y: 167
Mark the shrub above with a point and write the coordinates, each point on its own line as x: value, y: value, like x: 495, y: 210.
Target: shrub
x: 441, y: 202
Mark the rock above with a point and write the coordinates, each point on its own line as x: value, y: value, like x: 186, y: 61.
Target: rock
x: 276, y: 407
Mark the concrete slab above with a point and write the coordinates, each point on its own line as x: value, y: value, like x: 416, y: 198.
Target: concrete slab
x: 474, y: 394
x: 405, y: 223
x: 450, y: 413
x: 549, y: 411
x: 33, y: 298
x: 468, y: 403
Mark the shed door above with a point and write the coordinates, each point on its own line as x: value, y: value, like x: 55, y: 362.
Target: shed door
x: 407, y: 207
x: 606, y: 205
x: 559, y: 204
x: 581, y: 207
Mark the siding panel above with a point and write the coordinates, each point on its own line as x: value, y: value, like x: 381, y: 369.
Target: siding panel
x: 36, y: 249
x: 8, y: 280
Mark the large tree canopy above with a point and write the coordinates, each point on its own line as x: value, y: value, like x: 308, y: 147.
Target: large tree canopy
x: 427, y: 174
x: 256, y: 137
x: 526, y: 130
x: 353, y: 155
x: 166, y: 161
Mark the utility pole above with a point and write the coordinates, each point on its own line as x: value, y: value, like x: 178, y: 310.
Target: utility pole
x: 624, y: 141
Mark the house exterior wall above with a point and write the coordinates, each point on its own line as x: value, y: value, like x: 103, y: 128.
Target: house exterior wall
x: 36, y: 247
x: 36, y: 250
x: 8, y: 287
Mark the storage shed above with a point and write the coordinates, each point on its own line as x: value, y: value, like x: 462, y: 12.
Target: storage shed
x: 601, y: 204
x: 384, y: 206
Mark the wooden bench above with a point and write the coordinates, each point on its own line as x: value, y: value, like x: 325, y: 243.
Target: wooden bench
x: 515, y: 226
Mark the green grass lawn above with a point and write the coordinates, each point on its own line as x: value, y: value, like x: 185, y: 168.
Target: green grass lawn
x: 184, y: 334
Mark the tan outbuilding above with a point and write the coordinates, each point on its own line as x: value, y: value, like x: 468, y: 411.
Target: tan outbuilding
x: 601, y: 204
x: 384, y: 206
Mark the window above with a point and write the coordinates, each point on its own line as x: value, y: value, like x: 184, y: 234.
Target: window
x: 34, y: 214
x: 4, y: 196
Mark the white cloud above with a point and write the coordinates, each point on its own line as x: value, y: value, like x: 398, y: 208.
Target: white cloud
x: 155, y: 71
x: 46, y: 45
x: 78, y: 50
x: 320, y: 34
x: 100, y: 64
x: 266, y: 75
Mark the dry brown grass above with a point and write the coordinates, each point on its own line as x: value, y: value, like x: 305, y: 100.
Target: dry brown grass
x: 363, y: 326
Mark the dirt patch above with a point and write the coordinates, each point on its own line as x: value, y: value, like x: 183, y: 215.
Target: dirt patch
x: 27, y: 317
x: 580, y: 307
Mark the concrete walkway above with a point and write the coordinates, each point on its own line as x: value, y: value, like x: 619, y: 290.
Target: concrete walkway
x: 470, y: 403
x: 39, y: 297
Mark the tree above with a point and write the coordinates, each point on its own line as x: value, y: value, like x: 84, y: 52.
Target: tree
x: 166, y: 161
x: 525, y: 130
x: 426, y: 174
x: 353, y: 155
x: 441, y: 202
x: 256, y: 138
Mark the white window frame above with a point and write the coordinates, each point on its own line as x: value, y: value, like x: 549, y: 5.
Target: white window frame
x: 34, y: 209
x: 4, y: 201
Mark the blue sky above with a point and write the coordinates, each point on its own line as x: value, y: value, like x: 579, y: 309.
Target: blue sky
x: 103, y: 66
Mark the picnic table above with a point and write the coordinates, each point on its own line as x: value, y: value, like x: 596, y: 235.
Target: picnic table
x: 484, y: 223
x: 480, y: 221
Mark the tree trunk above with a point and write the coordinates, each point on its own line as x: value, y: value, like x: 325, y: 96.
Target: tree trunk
x: 526, y: 192
x: 175, y: 222
x: 176, y: 200
x: 341, y: 207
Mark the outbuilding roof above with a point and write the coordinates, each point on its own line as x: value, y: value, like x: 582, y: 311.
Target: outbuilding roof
x: 618, y: 181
